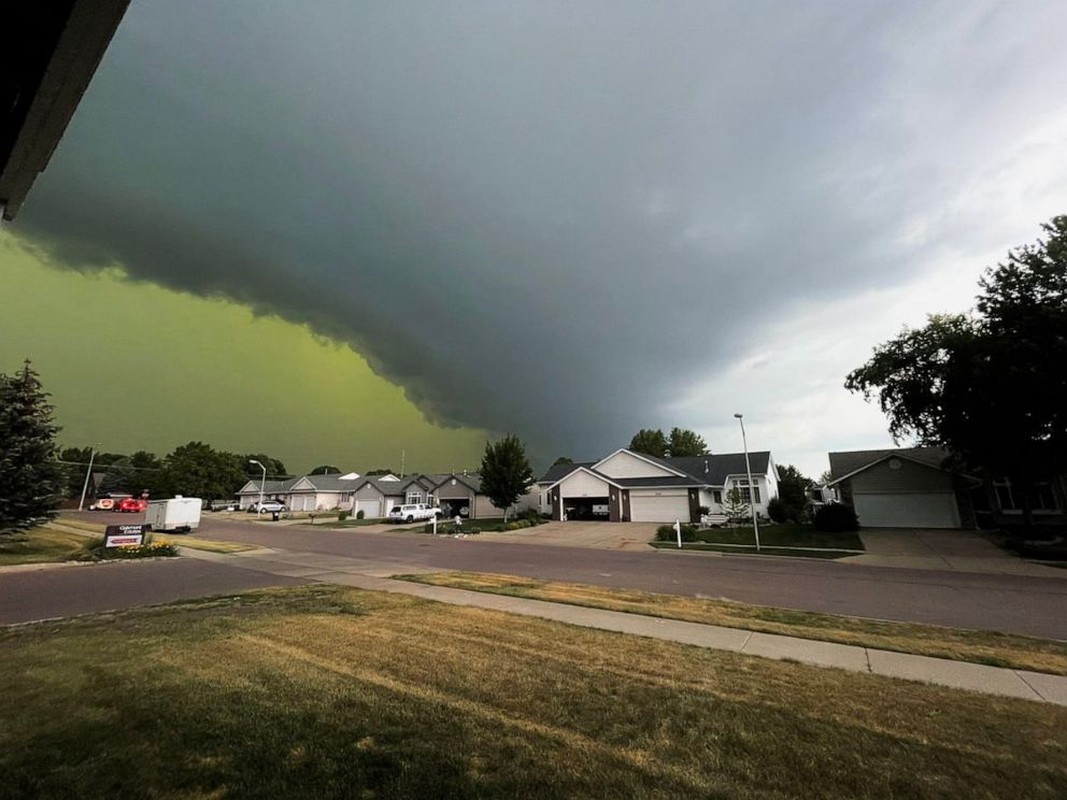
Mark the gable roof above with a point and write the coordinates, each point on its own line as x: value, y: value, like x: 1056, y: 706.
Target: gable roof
x: 269, y: 487
x: 598, y: 475
x: 472, y: 480
x: 658, y: 462
x: 557, y: 471
x: 333, y: 482
x: 848, y: 463
x: 713, y: 470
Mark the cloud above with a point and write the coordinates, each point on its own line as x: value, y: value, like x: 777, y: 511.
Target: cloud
x: 553, y: 218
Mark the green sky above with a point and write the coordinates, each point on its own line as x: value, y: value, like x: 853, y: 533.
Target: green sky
x: 133, y: 366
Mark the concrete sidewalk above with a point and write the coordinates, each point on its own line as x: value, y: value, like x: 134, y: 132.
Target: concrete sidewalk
x: 374, y: 576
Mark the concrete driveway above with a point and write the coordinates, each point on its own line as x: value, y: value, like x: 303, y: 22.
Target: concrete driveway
x: 597, y: 535
x: 961, y: 551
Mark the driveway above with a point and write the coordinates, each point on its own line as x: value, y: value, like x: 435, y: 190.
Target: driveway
x: 597, y: 535
x: 942, y: 549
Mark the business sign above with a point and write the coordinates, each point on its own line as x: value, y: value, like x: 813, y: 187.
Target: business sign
x: 124, y: 535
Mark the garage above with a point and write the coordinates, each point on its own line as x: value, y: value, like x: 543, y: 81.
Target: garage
x: 659, y: 507
x: 370, y: 508
x: 934, y: 510
x: 589, y: 509
x: 455, y: 507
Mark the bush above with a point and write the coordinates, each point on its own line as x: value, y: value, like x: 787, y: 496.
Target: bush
x: 531, y: 515
x: 665, y: 533
x: 342, y: 516
x: 777, y: 511
x: 836, y: 518
x: 360, y: 514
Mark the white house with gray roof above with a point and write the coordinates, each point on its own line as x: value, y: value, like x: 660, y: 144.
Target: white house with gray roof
x: 627, y: 486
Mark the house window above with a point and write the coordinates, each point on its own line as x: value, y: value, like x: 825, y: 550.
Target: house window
x: 1042, y: 498
x: 716, y: 495
x: 414, y: 497
x: 746, y: 495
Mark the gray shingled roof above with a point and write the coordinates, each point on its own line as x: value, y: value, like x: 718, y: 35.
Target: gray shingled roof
x: 844, y: 463
x: 332, y: 483
x: 699, y: 470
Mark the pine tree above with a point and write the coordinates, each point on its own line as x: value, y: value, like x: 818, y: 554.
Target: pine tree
x: 30, y: 478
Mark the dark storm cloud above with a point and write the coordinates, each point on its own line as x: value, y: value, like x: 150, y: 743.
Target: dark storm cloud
x: 549, y: 218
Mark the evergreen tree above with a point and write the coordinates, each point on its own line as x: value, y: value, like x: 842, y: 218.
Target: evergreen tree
x: 30, y: 478
x: 506, y: 473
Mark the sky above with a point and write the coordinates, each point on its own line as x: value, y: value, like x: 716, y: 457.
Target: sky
x: 335, y: 231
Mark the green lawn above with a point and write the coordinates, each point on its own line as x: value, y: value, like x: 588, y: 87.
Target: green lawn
x: 981, y: 647
x: 331, y: 692
x: 42, y: 545
x: 786, y: 535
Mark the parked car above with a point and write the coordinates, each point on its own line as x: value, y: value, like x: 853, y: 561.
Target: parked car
x: 267, y: 507
x: 108, y: 502
x: 131, y: 505
x: 413, y: 512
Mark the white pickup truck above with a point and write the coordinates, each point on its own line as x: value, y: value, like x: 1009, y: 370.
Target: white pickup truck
x: 414, y: 512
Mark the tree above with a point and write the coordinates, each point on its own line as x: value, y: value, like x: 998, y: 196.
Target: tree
x: 649, y: 441
x: 326, y: 469
x: 383, y: 471
x: 120, y: 477
x: 30, y: 479
x: 988, y: 386
x: 792, y: 492
x: 734, y: 507
x: 562, y: 460
x: 197, y: 470
x: 684, y: 442
x: 275, y: 468
x: 506, y: 473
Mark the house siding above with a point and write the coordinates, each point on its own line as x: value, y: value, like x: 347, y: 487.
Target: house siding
x: 582, y: 484
x: 626, y: 465
x: 910, y: 478
x: 483, y: 508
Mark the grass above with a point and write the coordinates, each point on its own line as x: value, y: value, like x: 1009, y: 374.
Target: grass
x: 43, y: 545
x: 210, y: 545
x: 751, y: 550
x: 787, y: 535
x: 73, y: 522
x: 981, y: 647
x: 331, y: 692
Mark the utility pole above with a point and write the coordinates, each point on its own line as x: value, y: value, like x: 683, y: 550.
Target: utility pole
x: 88, y: 472
x: 751, y: 488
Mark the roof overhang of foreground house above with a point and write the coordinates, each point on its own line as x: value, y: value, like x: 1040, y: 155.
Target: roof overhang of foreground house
x: 902, y: 457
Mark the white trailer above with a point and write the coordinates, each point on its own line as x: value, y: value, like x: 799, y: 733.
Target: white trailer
x: 181, y: 514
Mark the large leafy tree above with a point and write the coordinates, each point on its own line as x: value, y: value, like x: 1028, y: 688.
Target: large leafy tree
x: 684, y: 442
x: 792, y: 492
x: 988, y: 386
x: 506, y: 473
x: 326, y: 469
x: 649, y: 441
x: 197, y: 470
x: 275, y: 467
x: 30, y: 479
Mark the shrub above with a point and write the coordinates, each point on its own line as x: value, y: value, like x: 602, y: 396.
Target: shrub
x: 147, y: 550
x: 836, y: 518
x: 342, y: 516
x: 665, y: 533
x: 360, y: 514
x: 531, y: 515
x: 777, y: 511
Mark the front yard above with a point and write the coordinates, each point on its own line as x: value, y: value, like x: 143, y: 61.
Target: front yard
x: 43, y: 545
x: 332, y: 692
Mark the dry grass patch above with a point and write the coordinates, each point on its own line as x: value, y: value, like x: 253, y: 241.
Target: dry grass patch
x: 981, y: 647
x: 72, y: 522
x: 331, y: 692
x: 209, y: 545
x: 43, y: 545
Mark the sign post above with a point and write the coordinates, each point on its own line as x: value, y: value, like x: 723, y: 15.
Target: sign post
x: 124, y: 535
x: 678, y: 530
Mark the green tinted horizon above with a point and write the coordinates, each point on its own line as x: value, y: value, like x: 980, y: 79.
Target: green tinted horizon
x: 134, y: 366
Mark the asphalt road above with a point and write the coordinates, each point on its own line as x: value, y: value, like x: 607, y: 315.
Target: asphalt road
x: 1015, y: 604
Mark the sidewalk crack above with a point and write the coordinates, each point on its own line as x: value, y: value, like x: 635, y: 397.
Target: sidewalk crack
x: 1032, y: 688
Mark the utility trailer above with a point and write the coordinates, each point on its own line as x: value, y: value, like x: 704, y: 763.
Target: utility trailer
x: 179, y: 514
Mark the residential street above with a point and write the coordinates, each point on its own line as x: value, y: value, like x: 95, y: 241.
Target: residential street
x: 1017, y: 604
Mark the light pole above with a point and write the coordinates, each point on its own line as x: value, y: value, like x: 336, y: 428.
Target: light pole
x: 88, y: 472
x: 751, y: 489
x: 259, y: 508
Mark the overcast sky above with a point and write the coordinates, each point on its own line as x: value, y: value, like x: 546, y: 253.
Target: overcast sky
x: 572, y: 220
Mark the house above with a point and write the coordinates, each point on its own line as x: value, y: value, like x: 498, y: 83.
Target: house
x: 303, y: 493
x: 460, y: 494
x: 627, y: 486
x: 904, y: 488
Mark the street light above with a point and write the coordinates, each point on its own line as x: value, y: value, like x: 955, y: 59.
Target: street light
x: 259, y: 508
x: 751, y: 487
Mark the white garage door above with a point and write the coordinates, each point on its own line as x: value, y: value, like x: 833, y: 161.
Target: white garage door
x: 659, y: 508
x: 370, y: 508
x: 907, y: 510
